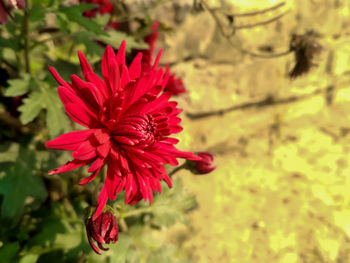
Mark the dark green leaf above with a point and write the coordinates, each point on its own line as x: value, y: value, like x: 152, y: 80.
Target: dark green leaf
x: 8, y: 251
x: 75, y: 14
x: 87, y: 39
x: 37, y: 12
x: 19, y: 181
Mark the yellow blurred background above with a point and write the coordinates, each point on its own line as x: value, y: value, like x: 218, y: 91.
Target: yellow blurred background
x: 281, y: 190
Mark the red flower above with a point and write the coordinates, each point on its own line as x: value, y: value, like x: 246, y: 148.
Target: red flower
x: 103, y: 230
x: 4, y: 11
x: 147, y: 58
x: 129, y: 121
x: 203, y: 166
x: 104, y: 7
x: 175, y: 85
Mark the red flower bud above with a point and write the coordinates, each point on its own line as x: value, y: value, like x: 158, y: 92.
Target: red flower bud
x: 203, y: 166
x: 103, y: 230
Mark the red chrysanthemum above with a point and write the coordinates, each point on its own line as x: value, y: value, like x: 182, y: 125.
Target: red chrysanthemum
x: 129, y: 121
x: 175, y: 86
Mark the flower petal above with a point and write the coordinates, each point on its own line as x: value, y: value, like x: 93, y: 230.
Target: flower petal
x: 69, y: 166
x: 69, y: 141
x: 101, y: 202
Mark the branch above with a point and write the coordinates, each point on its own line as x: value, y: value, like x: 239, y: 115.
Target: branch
x: 263, y: 22
x: 240, y: 48
x: 267, y: 102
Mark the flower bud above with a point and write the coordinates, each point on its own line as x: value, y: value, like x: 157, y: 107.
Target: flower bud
x: 203, y: 166
x: 103, y: 230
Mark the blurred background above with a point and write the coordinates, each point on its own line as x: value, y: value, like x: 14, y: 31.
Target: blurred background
x: 280, y: 192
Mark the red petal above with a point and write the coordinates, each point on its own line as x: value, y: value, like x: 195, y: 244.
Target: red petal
x: 85, y: 151
x: 107, y: 59
x: 58, y: 77
x: 155, y: 65
x: 121, y: 53
x: 135, y: 67
x: 69, y: 141
x: 92, y: 243
x: 76, y: 108
x: 88, y: 179
x: 69, y: 166
x: 101, y: 202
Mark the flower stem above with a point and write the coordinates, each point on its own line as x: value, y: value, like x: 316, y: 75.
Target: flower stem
x: 177, y: 169
x: 123, y: 225
x: 136, y: 212
x: 26, y: 37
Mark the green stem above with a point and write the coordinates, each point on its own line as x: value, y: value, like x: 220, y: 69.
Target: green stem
x: 136, y: 212
x: 123, y: 225
x: 26, y: 37
x: 183, y: 166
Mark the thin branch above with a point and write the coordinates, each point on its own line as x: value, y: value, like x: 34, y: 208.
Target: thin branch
x: 267, y: 102
x: 239, y: 48
x: 14, y: 122
x: 259, y: 12
x: 262, y: 23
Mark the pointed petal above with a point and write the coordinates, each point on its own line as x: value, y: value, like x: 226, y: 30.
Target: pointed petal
x: 69, y: 141
x: 69, y: 166
x: 58, y: 78
x: 121, y: 53
x: 101, y: 202
x: 156, y: 62
x: 135, y: 67
x: 88, y: 179
x: 92, y: 243
x: 85, y: 151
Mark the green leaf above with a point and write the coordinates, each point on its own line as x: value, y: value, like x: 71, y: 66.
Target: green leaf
x: 54, y: 223
x: 29, y: 258
x: 8, y: 251
x: 20, y: 181
x: 170, y: 207
x: 45, y: 98
x: 9, y: 152
x: 75, y: 14
x: 121, y: 248
x: 37, y: 12
x: 20, y: 86
x: 56, y: 119
x: 117, y: 252
x: 31, y: 107
x: 115, y: 38
x: 87, y: 39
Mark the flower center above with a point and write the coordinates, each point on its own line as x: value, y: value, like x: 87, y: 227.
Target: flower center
x: 135, y: 130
